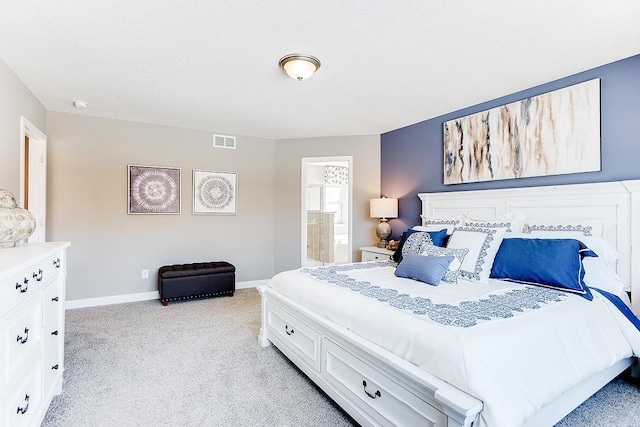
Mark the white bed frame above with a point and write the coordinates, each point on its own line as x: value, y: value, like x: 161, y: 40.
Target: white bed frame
x: 399, y: 393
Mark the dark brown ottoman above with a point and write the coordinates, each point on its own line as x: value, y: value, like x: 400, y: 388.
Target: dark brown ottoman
x: 198, y: 280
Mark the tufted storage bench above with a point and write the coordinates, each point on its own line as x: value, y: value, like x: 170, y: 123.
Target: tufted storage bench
x: 202, y: 279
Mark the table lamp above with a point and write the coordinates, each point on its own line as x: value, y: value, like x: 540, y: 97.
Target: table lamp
x: 383, y: 208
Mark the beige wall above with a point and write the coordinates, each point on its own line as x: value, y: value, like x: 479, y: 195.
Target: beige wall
x: 366, y: 185
x: 87, y: 197
x: 15, y: 101
x: 87, y: 204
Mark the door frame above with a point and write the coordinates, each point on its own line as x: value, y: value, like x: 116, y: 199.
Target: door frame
x: 303, y: 201
x: 38, y: 176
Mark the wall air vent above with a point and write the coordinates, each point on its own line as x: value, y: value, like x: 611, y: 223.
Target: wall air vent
x: 224, y: 141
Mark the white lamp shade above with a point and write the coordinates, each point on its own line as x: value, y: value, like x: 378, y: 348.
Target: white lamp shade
x: 383, y: 208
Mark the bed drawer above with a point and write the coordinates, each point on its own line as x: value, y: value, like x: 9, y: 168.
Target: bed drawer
x: 300, y: 338
x: 380, y: 397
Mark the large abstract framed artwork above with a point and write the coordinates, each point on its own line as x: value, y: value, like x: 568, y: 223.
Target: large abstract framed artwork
x: 154, y: 190
x: 215, y: 192
x: 550, y: 134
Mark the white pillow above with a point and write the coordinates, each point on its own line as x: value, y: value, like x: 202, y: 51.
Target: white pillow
x: 436, y: 224
x: 483, y: 244
x: 598, y: 275
x: 574, y: 228
x: 513, y: 221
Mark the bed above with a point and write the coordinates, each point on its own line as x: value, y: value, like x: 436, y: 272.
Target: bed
x: 394, y: 351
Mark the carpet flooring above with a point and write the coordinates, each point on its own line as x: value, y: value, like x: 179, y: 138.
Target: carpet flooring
x: 198, y: 363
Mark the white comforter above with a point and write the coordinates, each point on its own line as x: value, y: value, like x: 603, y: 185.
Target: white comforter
x: 515, y: 365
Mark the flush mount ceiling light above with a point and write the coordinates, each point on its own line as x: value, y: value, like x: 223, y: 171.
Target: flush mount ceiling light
x: 299, y: 66
x: 80, y: 104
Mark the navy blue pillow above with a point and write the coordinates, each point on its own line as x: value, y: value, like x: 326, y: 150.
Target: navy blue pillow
x: 437, y: 237
x: 427, y: 269
x: 552, y: 263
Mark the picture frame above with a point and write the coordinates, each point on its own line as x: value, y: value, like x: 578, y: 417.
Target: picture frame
x: 215, y: 193
x: 554, y: 133
x: 153, y: 190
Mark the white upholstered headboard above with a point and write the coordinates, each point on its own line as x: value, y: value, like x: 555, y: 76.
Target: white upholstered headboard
x: 615, y: 203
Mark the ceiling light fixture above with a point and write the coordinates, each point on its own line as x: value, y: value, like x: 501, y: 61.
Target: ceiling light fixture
x: 80, y: 104
x: 299, y: 66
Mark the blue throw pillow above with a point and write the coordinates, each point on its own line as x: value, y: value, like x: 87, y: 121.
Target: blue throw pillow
x: 552, y: 263
x: 427, y: 269
x: 438, y: 238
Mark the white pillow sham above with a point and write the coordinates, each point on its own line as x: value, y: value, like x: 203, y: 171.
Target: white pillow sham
x: 593, y: 228
x: 483, y: 245
x: 512, y: 221
x: 436, y: 224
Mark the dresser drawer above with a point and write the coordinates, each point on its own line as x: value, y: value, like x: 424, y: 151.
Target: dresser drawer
x: 53, y: 360
x: 300, y: 338
x: 24, y: 401
x: 384, y: 400
x: 21, y: 337
x: 19, y: 287
x: 53, y: 304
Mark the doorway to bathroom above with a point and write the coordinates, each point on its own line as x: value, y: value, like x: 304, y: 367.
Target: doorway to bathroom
x: 326, y: 210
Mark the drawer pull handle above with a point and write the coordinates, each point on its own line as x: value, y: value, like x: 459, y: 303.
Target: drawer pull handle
x: 26, y: 408
x: 54, y: 299
x: 56, y: 263
x: 54, y: 333
x: 374, y: 395
x: 286, y: 329
x: 23, y: 340
x: 26, y: 286
x: 54, y: 367
x: 38, y: 275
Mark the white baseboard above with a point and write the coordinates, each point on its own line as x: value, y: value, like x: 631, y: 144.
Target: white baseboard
x: 251, y: 284
x: 142, y: 296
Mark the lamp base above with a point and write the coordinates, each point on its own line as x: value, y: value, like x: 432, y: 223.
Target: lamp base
x: 383, y: 231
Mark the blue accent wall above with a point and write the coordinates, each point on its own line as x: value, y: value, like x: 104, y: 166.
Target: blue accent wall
x: 411, y: 158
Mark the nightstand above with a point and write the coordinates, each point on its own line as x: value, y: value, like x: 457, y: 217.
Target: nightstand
x: 374, y: 253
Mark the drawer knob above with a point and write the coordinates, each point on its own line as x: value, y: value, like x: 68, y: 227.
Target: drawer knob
x: 374, y: 395
x: 54, y: 367
x: 26, y: 408
x: 54, y: 299
x: 20, y: 287
x: 286, y: 329
x: 23, y: 340
x: 38, y: 275
x: 54, y: 333
x: 56, y: 263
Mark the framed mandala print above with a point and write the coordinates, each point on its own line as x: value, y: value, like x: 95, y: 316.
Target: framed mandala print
x: 154, y: 190
x: 215, y: 192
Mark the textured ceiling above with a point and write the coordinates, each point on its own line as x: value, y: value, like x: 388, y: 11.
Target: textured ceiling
x: 213, y: 65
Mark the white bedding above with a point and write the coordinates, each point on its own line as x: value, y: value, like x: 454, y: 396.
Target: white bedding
x: 515, y: 365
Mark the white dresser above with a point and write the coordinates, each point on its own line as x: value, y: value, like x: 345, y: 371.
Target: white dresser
x: 32, y: 295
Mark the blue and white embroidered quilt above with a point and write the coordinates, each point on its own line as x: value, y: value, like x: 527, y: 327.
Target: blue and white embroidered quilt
x: 464, y: 314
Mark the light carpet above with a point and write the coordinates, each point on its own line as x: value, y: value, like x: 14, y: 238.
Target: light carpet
x: 198, y: 363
